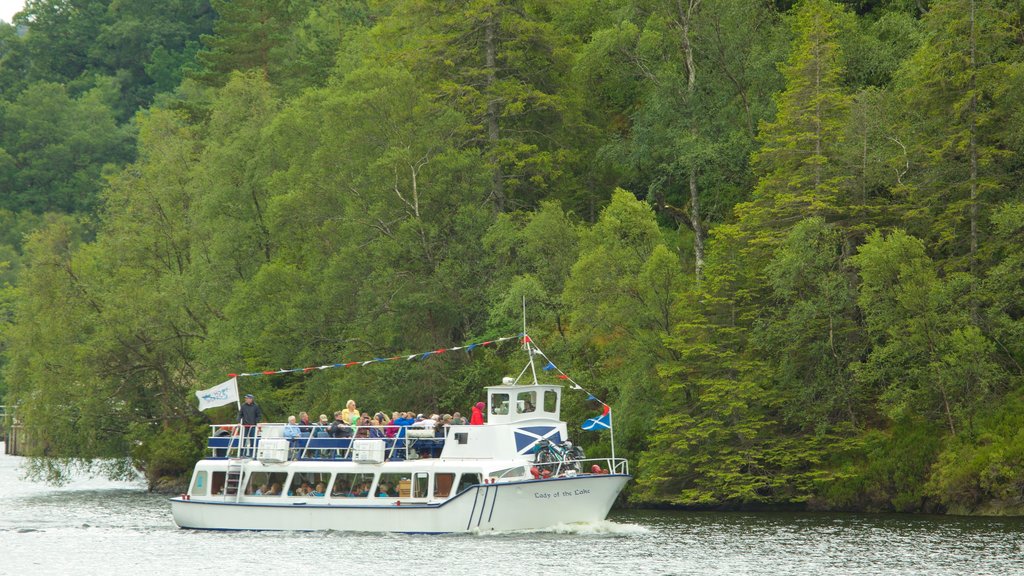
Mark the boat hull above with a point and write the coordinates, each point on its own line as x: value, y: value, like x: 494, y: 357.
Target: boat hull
x: 520, y: 505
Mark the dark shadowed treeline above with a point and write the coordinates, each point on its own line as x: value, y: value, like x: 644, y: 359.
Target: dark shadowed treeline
x: 784, y: 241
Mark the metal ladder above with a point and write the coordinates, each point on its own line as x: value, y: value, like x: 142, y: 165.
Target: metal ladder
x: 233, y: 481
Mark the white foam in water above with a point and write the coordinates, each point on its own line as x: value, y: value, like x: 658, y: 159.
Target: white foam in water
x: 601, y: 528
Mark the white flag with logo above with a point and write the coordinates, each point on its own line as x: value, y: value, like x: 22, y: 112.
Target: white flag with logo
x: 219, y: 395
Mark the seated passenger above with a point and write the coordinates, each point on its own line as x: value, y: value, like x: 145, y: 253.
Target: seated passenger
x: 275, y: 489
x: 339, y: 428
x: 263, y: 490
x: 363, y: 426
x: 319, y: 491
x: 291, y: 430
x: 305, y: 426
x: 321, y: 427
x: 341, y: 488
x: 384, y: 491
x: 303, y: 490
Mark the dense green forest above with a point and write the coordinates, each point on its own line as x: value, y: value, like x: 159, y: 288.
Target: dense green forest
x: 785, y: 241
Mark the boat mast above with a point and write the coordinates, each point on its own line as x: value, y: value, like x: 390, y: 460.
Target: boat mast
x: 529, y: 344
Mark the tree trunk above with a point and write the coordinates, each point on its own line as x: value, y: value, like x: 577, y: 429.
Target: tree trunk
x: 493, y: 133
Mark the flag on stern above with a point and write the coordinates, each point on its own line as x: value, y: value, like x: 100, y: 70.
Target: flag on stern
x: 219, y: 395
x: 602, y: 422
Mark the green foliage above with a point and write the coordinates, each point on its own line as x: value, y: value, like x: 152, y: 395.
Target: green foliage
x: 984, y: 472
x: 887, y: 471
x: 810, y: 293
x: 56, y: 147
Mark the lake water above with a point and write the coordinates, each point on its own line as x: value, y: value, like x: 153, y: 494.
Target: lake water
x: 99, y: 527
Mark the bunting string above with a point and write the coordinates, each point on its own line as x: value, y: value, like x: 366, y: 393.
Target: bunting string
x: 561, y: 375
x: 407, y: 357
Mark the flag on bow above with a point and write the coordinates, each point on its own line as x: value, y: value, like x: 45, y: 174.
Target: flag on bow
x: 219, y: 395
x: 602, y: 422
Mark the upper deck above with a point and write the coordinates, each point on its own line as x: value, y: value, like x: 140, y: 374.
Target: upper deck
x: 517, y: 417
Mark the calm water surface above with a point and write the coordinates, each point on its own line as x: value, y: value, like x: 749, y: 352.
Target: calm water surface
x: 99, y: 527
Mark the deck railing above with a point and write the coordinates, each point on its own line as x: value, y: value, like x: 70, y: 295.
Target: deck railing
x: 314, y: 443
x: 406, y: 443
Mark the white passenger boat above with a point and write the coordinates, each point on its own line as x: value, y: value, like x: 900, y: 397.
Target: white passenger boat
x: 517, y: 471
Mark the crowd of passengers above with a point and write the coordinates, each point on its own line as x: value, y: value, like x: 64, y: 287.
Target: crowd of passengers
x: 351, y: 423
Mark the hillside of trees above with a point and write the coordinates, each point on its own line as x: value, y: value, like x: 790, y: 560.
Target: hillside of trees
x: 784, y: 240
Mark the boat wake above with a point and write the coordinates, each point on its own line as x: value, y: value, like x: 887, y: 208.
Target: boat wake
x: 601, y: 528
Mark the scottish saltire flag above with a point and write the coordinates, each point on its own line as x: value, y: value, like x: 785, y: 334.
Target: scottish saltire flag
x: 527, y: 436
x: 602, y: 422
x: 219, y: 395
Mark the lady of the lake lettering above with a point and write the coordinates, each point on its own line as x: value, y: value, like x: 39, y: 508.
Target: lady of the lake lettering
x: 563, y: 493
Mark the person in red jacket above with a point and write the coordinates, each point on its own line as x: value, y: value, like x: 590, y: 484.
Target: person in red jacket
x: 478, y: 414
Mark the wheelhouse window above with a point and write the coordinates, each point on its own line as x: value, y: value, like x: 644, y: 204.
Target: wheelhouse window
x: 550, y: 401
x: 266, y: 483
x: 499, y: 404
x: 526, y: 402
x: 355, y: 485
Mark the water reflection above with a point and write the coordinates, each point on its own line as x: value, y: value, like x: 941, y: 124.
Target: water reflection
x: 97, y: 527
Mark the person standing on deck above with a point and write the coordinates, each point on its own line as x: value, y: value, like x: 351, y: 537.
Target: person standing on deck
x: 350, y: 414
x: 249, y: 414
x: 478, y: 414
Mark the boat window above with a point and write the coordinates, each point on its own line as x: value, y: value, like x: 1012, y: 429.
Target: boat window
x: 443, y: 482
x: 265, y: 483
x: 394, y: 485
x: 217, y: 483
x: 509, y: 472
x: 309, y: 483
x: 499, y: 404
x: 550, y: 401
x: 526, y: 402
x: 419, y: 484
x: 467, y: 481
x: 355, y: 485
x: 199, y: 484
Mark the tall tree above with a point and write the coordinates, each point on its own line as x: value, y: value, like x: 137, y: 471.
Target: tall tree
x: 501, y: 64
x: 961, y: 91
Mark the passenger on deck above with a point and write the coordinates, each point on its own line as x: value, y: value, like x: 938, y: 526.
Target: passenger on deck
x: 363, y: 426
x: 339, y: 428
x: 249, y: 414
x: 321, y: 427
x: 404, y: 419
x: 379, y: 422
x: 458, y: 420
x: 441, y: 428
x: 305, y: 426
x: 427, y: 423
x: 350, y: 415
x: 291, y: 430
x: 478, y: 414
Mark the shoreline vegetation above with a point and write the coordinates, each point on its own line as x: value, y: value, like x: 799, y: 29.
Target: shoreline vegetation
x: 784, y: 239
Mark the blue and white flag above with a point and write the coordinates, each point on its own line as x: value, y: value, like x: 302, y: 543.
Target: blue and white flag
x: 219, y: 395
x: 602, y: 422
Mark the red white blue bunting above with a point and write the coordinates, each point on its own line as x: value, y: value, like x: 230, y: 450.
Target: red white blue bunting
x: 409, y: 357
